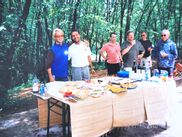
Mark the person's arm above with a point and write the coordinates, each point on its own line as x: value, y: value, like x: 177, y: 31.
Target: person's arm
x: 140, y: 56
x: 51, y: 78
x: 150, y: 47
x: 120, y: 56
x: 173, y: 52
x: 141, y: 48
x: 90, y: 63
x: 155, y: 52
x: 91, y: 66
x: 50, y: 58
x: 90, y: 60
x: 102, y: 54
x: 126, y: 50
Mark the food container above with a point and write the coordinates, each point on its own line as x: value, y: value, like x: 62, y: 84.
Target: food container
x: 123, y: 74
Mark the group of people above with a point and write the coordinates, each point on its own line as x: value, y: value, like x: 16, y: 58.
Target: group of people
x: 60, y: 53
x: 140, y: 52
x: 79, y: 54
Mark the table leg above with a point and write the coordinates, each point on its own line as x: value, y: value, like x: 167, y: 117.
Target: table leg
x: 69, y: 131
x: 48, y: 117
x: 63, y: 119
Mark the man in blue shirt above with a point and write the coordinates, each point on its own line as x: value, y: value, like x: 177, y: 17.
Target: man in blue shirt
x: 57, y: 58
x: 165, y: 52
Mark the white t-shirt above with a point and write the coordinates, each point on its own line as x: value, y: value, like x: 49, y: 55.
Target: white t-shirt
x: 78, y: 53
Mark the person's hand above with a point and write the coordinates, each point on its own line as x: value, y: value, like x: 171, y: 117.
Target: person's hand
x: 51, y: 79
x: 140, y: 56
x: 149, y: 49
x: 121, y: 62
x: 86, y: 42
x: 133, y: 42
x: 163, y: 54
x: 93, y: 71
x: 130, y: 46
x: 105, y: 59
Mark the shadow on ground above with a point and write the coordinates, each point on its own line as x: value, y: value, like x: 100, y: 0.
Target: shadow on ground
x: 25, y: 124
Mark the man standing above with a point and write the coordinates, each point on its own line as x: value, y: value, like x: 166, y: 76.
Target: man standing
x: 113, y: 57
x: 131, y: 49
x: 147, y: 44
x: 165, y: 52
x: 80, y: 55
x: 57, y: 58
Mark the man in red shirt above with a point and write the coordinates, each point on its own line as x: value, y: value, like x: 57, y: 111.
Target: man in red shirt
x: 113, y: 57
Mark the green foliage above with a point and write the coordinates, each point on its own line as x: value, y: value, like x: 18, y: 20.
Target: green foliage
x: 17, y: 89
x: 99, y: 66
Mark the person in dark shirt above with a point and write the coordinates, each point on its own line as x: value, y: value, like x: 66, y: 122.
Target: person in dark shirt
x: 147, y: 44
x: 57, y: 58
x: 130, y: 50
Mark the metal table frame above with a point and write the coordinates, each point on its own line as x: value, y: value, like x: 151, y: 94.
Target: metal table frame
x: 65, y: 115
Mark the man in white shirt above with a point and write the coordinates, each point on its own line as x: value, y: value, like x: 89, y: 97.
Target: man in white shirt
x: 80, y: 55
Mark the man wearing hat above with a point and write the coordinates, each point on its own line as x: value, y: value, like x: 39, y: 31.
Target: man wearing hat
x: 165, y: 52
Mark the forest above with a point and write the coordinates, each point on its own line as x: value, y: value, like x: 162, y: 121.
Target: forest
x: 26, y: 29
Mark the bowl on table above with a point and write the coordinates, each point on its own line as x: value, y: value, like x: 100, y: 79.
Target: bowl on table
x: 123, y: 74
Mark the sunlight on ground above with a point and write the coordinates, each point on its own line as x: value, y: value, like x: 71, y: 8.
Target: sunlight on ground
x: 9, y: 123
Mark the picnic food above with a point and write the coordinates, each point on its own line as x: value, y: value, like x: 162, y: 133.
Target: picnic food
x: 82, y: 94
x: 129, y: 85
x: 116, y: 89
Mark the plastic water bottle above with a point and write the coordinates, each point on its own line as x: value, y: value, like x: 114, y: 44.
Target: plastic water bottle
x: 147, y: 71
x: 35, y: 86
x: 42, y: 89
x: 164, y: 75
x: 156, y: 73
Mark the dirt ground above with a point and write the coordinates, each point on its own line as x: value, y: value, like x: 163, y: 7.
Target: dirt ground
x: 22, y: 121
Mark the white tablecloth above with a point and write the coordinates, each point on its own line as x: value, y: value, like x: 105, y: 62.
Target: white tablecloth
x: 93, y: 117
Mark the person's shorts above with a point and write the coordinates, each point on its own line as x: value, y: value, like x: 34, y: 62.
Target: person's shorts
x: 112, y: 69
x: 169, y: 70
x: 80, y: 73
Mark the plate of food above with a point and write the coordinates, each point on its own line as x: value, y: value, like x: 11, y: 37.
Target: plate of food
x: 96, y: 93
x: 116, y: 89
x: 129, y: 85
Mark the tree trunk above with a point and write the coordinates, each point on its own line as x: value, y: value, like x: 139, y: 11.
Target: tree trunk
x: 170, y: 4
x: 114, y: 12
x: 75, y: 15
x: 1, y: 12
x: 149, y: 14
x: 141, y: 17
x: 128, y: 18
x: 123, y: 6
x: 15, y: 41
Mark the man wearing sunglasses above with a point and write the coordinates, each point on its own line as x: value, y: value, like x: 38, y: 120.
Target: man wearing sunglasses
x: 165, y: 52
x: 147, y: 44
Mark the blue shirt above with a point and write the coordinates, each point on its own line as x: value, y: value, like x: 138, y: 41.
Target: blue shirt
x: 59, y: 65
x: 168, y: 47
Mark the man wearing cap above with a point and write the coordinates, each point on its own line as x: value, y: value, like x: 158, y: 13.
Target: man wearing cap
x: 165, y: 52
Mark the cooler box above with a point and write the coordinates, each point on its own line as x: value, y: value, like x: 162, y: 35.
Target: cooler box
x: 123, y: 74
